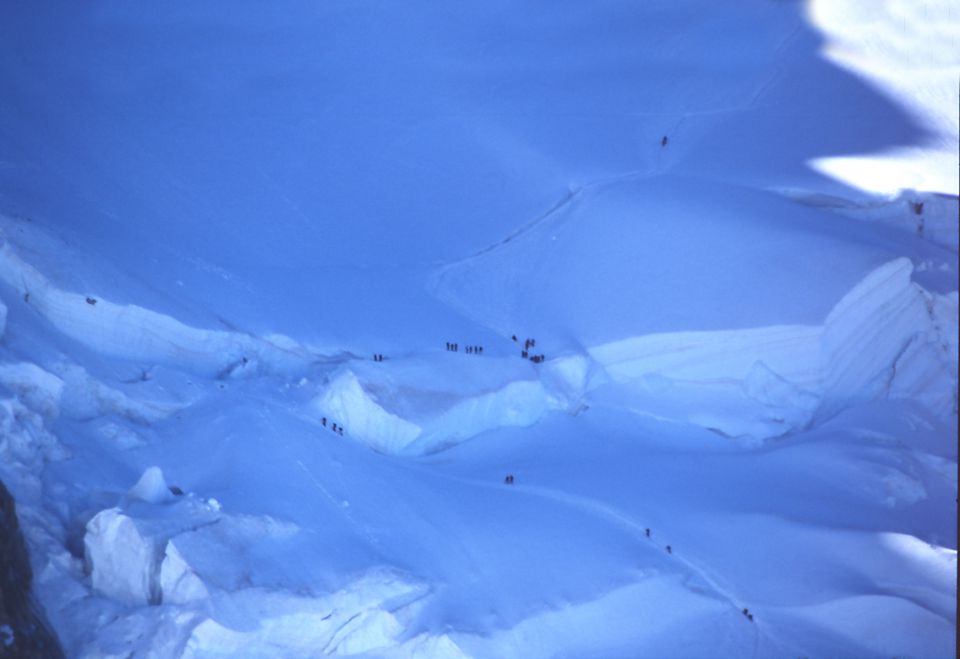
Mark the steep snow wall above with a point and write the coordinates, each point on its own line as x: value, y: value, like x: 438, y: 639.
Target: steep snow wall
x: 402, y: 409
x: 133, y: 332
x: 886, y: 337
x: 866, y: 334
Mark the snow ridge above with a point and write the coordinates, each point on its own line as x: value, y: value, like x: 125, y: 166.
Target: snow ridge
x: 765, y: 382
x: 133, y: 332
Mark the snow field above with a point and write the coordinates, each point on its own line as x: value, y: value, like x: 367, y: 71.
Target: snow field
x: 764, y: 384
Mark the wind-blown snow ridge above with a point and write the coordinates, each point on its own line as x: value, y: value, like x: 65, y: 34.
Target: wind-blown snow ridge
x: 133, y: 332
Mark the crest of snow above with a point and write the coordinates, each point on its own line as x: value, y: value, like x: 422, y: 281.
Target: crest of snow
x: 179, y: 584
x: 409, y: 407
x: 868, y: 333
x: 939, y: 564
x: 519, y: 403
x: 880, y: 339
x: 346, y: 403
x: 151, y: 487
x: 713, y: 356
x: 133, y: 332
x: 756, y: 382
x: 124, y: 548
x: 121, y: 560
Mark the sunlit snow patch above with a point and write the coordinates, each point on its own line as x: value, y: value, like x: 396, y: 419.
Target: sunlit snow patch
x: 911, y: 51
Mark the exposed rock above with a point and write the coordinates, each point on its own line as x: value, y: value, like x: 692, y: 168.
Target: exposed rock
x: 23, y: 632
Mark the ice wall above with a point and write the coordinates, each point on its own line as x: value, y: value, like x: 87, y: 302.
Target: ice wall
x: 886, y: 338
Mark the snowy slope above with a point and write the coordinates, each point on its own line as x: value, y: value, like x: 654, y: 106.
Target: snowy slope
x: 741, y: 441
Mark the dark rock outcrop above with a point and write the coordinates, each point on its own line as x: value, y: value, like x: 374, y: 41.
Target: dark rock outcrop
x: 23, y: 632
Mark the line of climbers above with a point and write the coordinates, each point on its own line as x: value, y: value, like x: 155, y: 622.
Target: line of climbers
x: 333, y: 426
x: 746, y: 611
x: 377, y: 357
x: 470, y: 350
x: 525, y: 353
